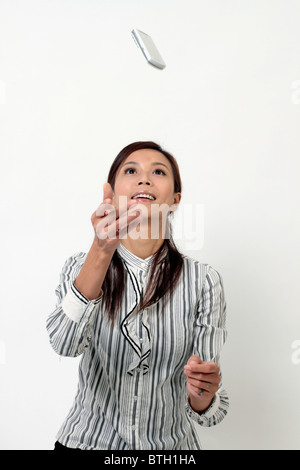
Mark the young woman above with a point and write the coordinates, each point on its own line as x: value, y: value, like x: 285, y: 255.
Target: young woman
x: 148, y: 321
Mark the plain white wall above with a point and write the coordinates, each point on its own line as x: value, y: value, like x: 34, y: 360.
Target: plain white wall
x: 74, y: 90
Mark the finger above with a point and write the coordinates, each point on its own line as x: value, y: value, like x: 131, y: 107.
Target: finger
x: 198, y: 392
x: 201, y: 390
x: 212, y: 381
x: 111, y: 214
x: 107, y: 208
x: 126, y: 204
x: 113, y: 232
x: 204, y: 367
x: 104, y: 209
x: 123, y: 206
x: 207, y: 386
x: 123, y: 223
x: 115, y: 228
x: 201, y: 373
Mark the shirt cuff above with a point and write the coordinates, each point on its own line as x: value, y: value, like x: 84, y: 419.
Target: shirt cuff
x: 74, y: 303
x: 203, y: 417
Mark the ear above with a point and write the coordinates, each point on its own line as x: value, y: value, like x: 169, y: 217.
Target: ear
x: 177, y: 199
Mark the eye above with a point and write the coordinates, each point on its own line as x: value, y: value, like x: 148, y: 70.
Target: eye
x: 133, y: 169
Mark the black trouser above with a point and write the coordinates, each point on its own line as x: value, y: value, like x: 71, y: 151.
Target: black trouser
x: 59, y: 446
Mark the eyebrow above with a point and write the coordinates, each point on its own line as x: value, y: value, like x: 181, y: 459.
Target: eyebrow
x: 153, y: 163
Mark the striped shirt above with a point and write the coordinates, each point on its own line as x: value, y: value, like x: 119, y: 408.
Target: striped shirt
x: 132, y: 390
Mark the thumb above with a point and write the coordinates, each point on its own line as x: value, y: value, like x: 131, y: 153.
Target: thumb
x: 195, y: 360
x: 107, y: 192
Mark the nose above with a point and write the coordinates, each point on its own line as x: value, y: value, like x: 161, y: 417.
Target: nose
x: 145, y: 177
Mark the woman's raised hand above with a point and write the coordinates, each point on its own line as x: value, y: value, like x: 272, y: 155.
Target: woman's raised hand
x: 112, y: 223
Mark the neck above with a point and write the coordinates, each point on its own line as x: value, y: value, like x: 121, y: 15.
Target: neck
x: 145, y: 246
x: 142, y: 248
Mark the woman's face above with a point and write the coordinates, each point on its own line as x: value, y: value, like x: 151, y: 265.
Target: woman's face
x: 146, y: 171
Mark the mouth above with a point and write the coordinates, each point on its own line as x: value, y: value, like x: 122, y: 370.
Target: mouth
x: 144, y: 196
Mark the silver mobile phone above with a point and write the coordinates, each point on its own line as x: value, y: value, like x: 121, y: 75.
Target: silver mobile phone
x: 148, y: 48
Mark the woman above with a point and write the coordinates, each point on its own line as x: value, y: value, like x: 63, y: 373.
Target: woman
x: 148, y: 321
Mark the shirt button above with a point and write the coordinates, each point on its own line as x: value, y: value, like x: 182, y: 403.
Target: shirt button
x: 133, y: 427
x: 143, y: 265
x: 135, y: 398
x: 138, y: 369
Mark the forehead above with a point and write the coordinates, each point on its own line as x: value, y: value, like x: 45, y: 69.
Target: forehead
x: 147, y: 155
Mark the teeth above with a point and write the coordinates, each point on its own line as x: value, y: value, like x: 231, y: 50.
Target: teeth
x: 146, y: 196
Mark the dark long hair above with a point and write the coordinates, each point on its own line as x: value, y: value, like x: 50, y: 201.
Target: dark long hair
x: 163, y: 277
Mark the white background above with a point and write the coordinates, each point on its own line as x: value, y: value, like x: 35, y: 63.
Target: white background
x: 74, y: 90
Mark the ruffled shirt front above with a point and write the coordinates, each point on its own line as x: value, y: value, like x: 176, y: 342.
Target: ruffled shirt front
x: 132, y: 390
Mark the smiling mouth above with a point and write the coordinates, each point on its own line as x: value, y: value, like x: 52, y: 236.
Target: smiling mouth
x: 143, y: 197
